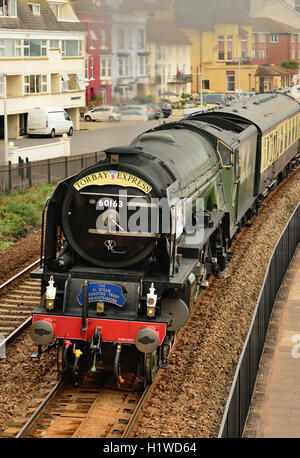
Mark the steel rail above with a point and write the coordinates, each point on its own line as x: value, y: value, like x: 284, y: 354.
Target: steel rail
x: 39, y: 409
x: 19, y: 274
x: 14, y: 333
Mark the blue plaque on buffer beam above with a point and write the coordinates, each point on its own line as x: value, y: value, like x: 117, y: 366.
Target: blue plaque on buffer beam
x: 104, y: 292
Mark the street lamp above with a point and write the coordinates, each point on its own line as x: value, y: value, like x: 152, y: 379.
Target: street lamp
x: 201, y: 92
x: 3, y: 79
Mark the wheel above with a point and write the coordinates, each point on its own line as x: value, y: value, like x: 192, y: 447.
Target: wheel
x: 88, y: 118
x: 150, y: 366
x: 70, y: 133
x: 52, y: 133
x: 111, y: 119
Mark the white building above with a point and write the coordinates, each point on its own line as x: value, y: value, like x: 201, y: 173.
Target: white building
x: 42, y: 52
x: 170, y: 60
x: 130, y: 62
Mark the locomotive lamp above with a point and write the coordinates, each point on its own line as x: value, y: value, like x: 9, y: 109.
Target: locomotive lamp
x: 50, y: 294
x: 151, y: 302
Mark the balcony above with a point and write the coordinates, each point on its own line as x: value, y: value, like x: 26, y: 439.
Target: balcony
x: 183, y: 79
x: 247, y: 60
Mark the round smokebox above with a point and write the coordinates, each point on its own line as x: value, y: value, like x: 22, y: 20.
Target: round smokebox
x: 146, y: 340
x: 41, y: 332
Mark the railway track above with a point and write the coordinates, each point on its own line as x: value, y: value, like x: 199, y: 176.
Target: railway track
x: 18, y: 297
x: 95, y: 409
x: 69, y: 411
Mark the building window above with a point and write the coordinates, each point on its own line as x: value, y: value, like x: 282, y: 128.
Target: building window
x: 10, y: 48
x: 71, y: 48
x: 140, y: 39
x: 130, y: 34
x: 64, y: 82
x: 80, y: 81
x: 91, y: 67
x: 261, y: 38
x: 124, y: 66
x: 221, y: 48
x: 35, y: 48
x: 54, y: 44
x: 106, y: 67
x: 230, y: 81
x: 293, y: 38
x: 273, y: 38
x: 205, y: 84
x: 293, y: 54
x: 35, y: 8
x: 229, y: 47
x: 86, y: 68
x: 8, y: 8
x: 120, y: 39
x: 72, y: 81
x: 34, y: 84
x: 57, y: 10
x: 93, y: 39
x: 2, y: 86
x: 244, y: 47
x: 143, y: 65
x: 261, y: 53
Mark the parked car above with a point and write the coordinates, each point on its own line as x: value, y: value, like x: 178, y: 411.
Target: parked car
x: 166, y: 109
x: 103, y: 113
x: 217, y: 98
x: 137, y: 112
x: 49, y: 121
x: 157, y: 110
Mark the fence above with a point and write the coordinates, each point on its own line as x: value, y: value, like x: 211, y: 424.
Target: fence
x: 26, y: 174
x: 240, y: 396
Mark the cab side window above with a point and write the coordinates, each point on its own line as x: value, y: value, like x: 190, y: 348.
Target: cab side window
x: 225, y: 154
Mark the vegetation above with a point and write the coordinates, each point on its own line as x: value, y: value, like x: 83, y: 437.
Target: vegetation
x: 20, y: 212
x: 143, y: 99
x: 290, y: 64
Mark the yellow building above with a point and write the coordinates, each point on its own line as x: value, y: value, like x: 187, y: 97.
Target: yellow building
x: 221, y: 51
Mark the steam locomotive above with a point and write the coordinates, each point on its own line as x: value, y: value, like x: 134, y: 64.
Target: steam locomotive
x: 129, y: 242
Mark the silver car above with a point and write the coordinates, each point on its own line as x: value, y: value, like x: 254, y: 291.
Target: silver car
x: 103, y: 113
x: 137, y: 113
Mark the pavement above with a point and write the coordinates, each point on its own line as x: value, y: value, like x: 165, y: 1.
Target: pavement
x: 275, y: 409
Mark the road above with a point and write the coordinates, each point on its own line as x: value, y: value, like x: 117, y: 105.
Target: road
x: 98, y: 137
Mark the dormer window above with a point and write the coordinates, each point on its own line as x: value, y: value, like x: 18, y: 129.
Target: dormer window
x: 35, y: 8
x: 57, y: 10
x: 8, y: 8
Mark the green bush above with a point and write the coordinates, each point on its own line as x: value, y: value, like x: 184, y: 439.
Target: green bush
x: 21, y: 212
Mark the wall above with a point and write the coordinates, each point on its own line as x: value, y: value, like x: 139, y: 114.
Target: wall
x: 39, y: 152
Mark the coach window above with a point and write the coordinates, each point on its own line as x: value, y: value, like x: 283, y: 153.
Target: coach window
x: 268, y: 150
x: 225, y: 154
x: 281, y: 140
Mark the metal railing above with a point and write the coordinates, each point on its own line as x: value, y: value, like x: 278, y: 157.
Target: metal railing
x: 239, y: 400
x: 26, y: 174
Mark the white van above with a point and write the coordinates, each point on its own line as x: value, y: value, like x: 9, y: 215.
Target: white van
x: 49, y: 121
